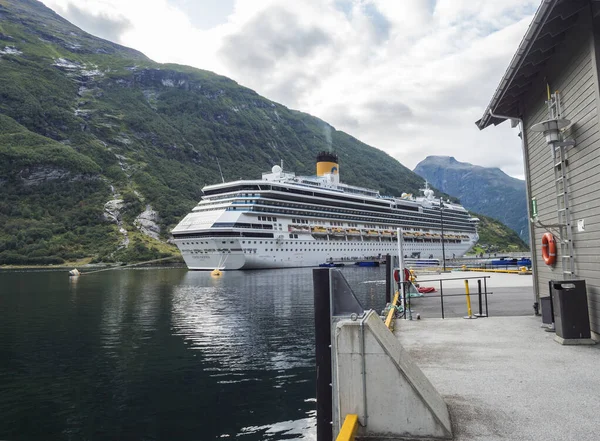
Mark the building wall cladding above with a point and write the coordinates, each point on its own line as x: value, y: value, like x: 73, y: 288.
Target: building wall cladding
x: 573, y: 72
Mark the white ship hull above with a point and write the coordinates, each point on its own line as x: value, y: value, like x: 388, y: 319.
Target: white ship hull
x: 311, y: 253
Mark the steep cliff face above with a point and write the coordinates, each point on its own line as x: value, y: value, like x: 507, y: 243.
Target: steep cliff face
x: 489, y: 191
x: 103, y: 150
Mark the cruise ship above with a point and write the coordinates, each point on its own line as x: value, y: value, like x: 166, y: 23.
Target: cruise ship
x: 284, y: 220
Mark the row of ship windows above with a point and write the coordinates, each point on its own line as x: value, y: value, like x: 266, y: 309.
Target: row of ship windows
x: 331, y: 199
x: 306, y: 206
x: 286, y: 191
x: 288, y: 201
x: 267, y: 218
x: 337, y: 224
x: 254, y: 250
x: 461, y: 225
x: 384, y: 239
x: 212, y: 250
x: 448, y: 214
x: 375, y: 210
x: 312, y: 242
x: 282, y: 243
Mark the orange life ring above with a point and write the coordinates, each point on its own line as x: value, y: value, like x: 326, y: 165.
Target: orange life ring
x: 406, y: 275
x: 548, y: 249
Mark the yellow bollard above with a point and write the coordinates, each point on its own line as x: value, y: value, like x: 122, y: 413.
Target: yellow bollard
x: 469, y: 311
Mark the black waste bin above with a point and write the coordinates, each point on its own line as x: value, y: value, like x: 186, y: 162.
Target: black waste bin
x: 547, y: 318
x: 569, y: 299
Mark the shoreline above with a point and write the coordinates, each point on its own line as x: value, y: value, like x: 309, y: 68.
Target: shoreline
x: 90, y: 266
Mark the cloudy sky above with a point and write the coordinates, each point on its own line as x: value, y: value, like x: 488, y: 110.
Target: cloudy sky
x: 409, y: 77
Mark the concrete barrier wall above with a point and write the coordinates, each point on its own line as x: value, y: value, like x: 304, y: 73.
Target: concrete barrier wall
x: 400, y: 400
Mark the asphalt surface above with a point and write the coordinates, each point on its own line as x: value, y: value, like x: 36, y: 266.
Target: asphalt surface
x: 504, y: 377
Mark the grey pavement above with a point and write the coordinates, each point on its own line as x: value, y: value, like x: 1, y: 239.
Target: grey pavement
x: 505, y: 378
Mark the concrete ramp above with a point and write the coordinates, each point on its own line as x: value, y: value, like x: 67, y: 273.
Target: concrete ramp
x: 393, y: 399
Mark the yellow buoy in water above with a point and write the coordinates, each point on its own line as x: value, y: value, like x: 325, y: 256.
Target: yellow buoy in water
x: 216, y: 272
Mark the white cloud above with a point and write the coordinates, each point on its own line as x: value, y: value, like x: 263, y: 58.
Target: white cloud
x: 409, y: 77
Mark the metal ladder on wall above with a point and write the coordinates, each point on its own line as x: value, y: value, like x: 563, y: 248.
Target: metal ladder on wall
x: 561, y: 162
x: 565, y: 241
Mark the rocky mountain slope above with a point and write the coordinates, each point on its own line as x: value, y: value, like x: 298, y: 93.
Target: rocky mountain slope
x: 102, y: 150
x: 495, y: 237
x: 489, y: 191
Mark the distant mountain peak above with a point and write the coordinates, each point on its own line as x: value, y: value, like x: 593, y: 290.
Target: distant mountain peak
x: 485, y: 190
x: 441, y: 159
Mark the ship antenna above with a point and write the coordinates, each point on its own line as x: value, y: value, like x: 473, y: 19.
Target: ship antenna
x: 220, y: 171
x: 282, y: 164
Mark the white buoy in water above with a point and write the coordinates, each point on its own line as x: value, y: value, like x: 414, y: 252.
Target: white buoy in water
x: 74, y: 272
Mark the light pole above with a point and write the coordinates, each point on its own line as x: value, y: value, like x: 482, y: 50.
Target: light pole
x: 442, y: 222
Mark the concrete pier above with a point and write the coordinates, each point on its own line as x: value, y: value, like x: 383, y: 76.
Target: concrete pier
x: 376, y: 379
x: 505, y: 378
x: 500, y: 378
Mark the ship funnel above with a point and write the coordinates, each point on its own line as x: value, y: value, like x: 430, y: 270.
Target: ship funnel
x: 327, y: 164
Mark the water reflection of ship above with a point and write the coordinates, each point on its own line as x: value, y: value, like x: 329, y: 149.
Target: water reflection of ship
x: 230, y: 319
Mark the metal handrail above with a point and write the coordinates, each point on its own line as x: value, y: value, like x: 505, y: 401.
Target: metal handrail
x: 485, y: 293
x: 457, y: 278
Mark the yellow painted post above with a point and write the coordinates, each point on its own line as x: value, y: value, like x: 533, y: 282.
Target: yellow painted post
x: 349, y: 428
x: 469, y: 311
x: 390, y: 316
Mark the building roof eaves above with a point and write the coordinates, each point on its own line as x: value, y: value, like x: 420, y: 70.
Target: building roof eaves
x: 533, y: 32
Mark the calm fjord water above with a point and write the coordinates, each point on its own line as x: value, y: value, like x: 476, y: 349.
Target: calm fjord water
x: 161, y: 354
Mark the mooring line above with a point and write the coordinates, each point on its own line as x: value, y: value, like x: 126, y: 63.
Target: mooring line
x: 127, y: 266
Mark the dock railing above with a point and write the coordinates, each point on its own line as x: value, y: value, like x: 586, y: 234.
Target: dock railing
x: 401, y: 307
x: 482, y: 294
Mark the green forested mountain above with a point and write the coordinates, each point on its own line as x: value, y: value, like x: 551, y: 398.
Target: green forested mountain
x: 102, y: 150
x: 495, y: 237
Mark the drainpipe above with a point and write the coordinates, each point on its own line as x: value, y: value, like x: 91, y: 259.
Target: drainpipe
x: 364, y: 371
x: 536, y: 291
